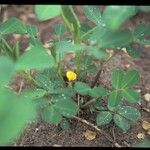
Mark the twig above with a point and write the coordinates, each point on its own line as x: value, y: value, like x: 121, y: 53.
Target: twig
x: 128, y: 145
x: 113, y: 134
x: 99, y: 130
x: 78, y: 97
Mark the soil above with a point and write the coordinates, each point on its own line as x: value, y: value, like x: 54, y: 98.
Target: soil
x: 43, y: 134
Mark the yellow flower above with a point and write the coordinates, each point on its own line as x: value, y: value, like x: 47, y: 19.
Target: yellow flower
x: 71, y: 75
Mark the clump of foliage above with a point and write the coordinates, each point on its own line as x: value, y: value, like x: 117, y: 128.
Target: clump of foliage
x: 59, y: 92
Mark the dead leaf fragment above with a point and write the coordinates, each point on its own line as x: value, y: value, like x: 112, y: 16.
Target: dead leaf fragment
x: 127, y: 66
x: 89, y: 135
x: 56, y: 145
x: 147, y: 97
x: 138, y: 90
x: 141, y: 136
x: 110, y: 52
x: 124, y: 49
x: 17, y: 36
x: 148, y: 132
x: 147, y: 87
x: 146, y: 125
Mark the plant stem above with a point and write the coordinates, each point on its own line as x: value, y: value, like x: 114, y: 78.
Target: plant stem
x: 84, y: 35
x: 28, y: 76
x: 96, y: 79
x: 98, y: 75
x: 99, y: 130
x: 101, y: 69
x: 88, y: 103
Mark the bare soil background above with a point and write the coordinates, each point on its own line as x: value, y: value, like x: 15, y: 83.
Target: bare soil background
x: 43, y: 134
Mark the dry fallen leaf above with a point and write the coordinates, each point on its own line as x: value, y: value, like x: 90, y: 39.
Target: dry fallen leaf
x: 110, y: 52
x: 148, y: 132
x: 147, y: 97
x: 147, y: 46
x: 24, y: 18
x: 138, y: 90
x: 17, y: 36
x: 89, y: 135
x: 124, y: 49
x: 147, y: 87
x: 141, y: 136
x: 127, y: 66
x: 146, y: 125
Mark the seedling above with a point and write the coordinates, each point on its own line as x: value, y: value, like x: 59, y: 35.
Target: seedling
x: 60, y: 92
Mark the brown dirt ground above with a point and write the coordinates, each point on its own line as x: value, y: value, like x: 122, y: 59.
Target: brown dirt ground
x: 43, y: 134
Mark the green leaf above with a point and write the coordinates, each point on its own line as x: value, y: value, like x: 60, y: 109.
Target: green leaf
x: 32, y: 30
x: 87, y: 61
x: 44, y: 82
x: 82, y: 88
x: 135, y: 53
x: 41, y: 59
x: 66, y: 107
x: 121, y: 122
x: 141, y: 30
x: 91, y: 69
x: 97, y: 92
x: 103, y: 118
x: 51, y: 115
x: 13, y: 25
x: 130, y: 78
x: 93, y: 14
x: 41, y: 103
x: 145, y: 8
x: 65, y: 46
x: 6, y: 70
x: 114, y: 98
x: 7, y: 98
x: 84, y: 28
x: 45, y: 12
x: 33, y: 93
x: 117, y: 78
x: 49, y: 80
x: 16, y: 50
x: 71, y: 20
x: 131, y: 95
x: 130, y: 113
x: 143, y: 41
x: 59, y: 29
x: 115, y: 16
x: 98, y: 33
x: 62, y: 94
x: 99, y: 54
x: 115, y: 108
x: 15, y: 116
x: 115, y: 39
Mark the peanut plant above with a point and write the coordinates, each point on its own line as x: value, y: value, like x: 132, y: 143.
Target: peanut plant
x: 59, y: 92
